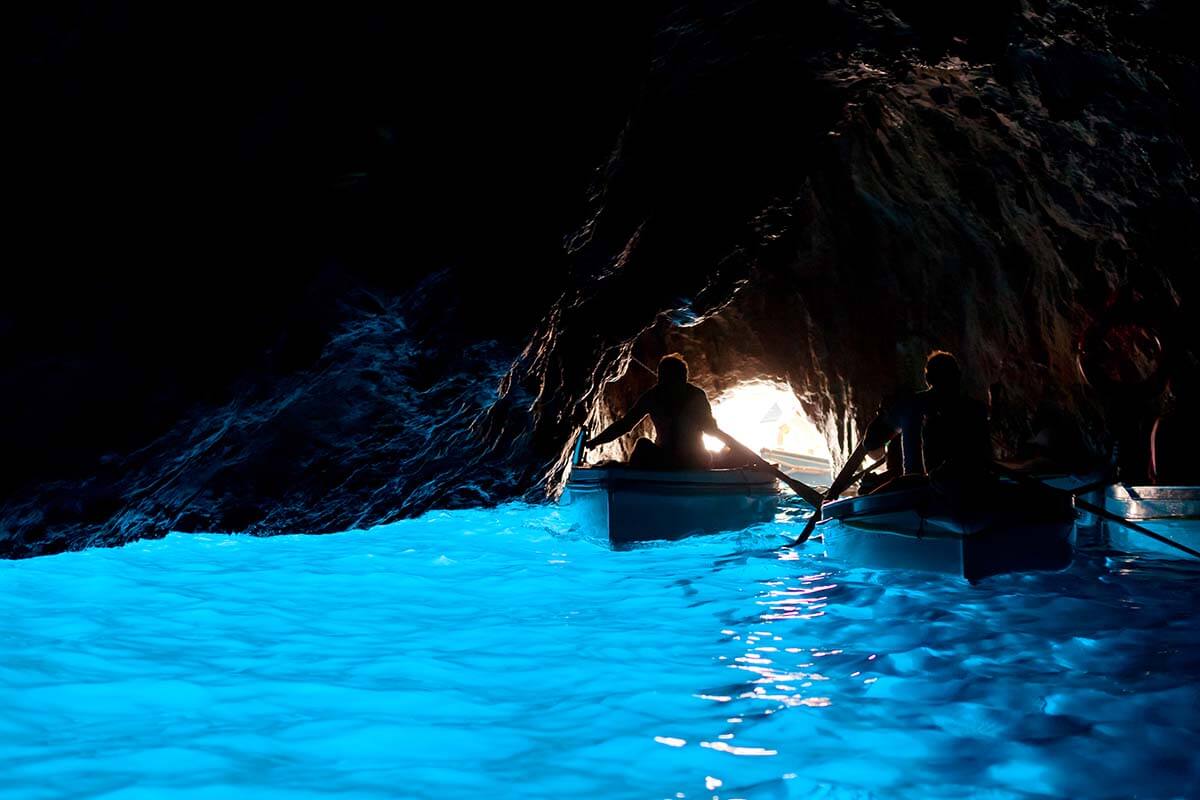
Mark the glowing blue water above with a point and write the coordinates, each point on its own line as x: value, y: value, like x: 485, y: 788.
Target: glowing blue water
x: 495, y: 654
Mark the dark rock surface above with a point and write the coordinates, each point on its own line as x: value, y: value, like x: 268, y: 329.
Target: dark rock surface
x: 319, y: 282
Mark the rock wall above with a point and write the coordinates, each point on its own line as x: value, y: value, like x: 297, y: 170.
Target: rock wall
x: 987, y: 182
x: 819, y: 193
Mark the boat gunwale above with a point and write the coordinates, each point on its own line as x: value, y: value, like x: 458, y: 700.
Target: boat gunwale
x: 926, y: 532
x: 1122, y: 491
x: 922, y: 501
x: 1153, y: 503
x: 625, y: 479
x: 886, y: 502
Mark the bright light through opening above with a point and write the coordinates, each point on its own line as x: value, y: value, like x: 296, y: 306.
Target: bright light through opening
x: 766, y: 415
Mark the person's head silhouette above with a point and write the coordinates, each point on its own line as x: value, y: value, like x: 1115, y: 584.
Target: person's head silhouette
x: 942, y: 372
x: 672, y: 370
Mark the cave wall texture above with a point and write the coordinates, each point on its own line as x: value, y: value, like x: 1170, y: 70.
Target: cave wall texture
x: 288, y: 273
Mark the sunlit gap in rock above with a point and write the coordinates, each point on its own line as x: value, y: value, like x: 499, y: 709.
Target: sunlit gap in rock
x: 765, y: 415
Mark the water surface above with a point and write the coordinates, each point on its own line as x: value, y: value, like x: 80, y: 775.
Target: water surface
x: 501, y: 654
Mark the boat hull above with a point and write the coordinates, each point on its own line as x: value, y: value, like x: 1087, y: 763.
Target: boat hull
x: 1001, y: 528
x: 627, y: 505
x: 1172, y: 511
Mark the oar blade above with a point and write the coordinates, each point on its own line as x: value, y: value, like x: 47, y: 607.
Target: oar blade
x: 840, y: 484
x: 809, y: 526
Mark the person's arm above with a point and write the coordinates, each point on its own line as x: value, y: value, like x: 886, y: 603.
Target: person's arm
x: 737, y: 446
x: 881, y: 431
x: 622, y: 426
x: 710, y: 427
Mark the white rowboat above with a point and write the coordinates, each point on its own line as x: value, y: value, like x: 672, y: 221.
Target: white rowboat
x: 629, y: 505
x: 1171, y: 511
x: 1001, y: 527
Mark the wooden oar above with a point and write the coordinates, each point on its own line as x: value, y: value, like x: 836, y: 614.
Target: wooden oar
x: 1099, y: 511
x: 840, y: 484
x: 577, y: 451
x: 862, y: 473
x: 807, y: 493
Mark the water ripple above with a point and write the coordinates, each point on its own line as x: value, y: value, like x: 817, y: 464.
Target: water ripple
x: 501, y: 653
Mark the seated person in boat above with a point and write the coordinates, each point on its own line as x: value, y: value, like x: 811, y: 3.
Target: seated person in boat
x: 681, y: 415
x: 1175, y: 437
x: 939, y: 432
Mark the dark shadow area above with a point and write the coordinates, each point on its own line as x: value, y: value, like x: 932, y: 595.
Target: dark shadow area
x: 280, y: 269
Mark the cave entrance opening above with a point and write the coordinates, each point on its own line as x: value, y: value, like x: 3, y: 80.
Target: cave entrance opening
x: 765, y: 415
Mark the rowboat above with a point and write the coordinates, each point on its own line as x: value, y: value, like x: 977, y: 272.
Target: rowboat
x: 1172, y: 511
x: 812, y: 470
x: 629, y: 505
x: 1086, y: 486
x: 1001, y: 527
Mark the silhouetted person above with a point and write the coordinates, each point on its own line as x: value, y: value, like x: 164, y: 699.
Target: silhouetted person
x: 681, y: 415
x: 1175, y: 438
x: 941, y: 431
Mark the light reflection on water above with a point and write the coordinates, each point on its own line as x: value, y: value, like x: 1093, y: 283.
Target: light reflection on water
x: 499, y: 653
